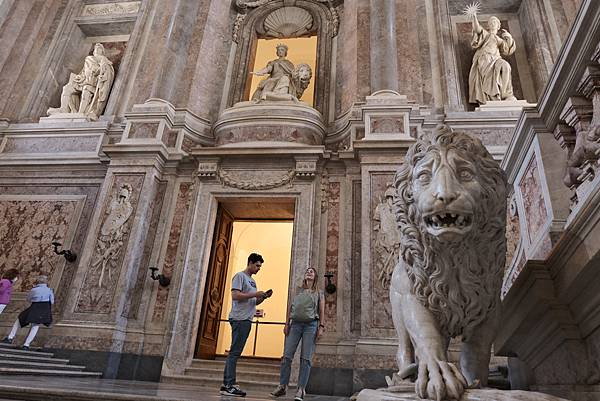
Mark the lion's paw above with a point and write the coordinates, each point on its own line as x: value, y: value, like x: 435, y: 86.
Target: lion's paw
x: 439, y: 380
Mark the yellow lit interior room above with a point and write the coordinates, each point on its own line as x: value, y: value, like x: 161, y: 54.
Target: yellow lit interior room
x: 300, y: 50
x: 273, y: 240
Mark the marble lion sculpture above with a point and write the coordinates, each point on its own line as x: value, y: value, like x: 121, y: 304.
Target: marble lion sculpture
x: 450, y: 206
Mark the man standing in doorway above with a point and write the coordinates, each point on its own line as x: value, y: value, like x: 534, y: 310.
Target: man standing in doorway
x: 245, y: 298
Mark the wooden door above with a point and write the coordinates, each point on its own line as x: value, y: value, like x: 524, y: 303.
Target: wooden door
x: 212, y: 302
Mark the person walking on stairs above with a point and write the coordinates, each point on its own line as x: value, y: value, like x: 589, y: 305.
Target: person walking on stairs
x: 245, y: 297
x: 38, y: 313
x: 305, y: 322
x: 6, y: 285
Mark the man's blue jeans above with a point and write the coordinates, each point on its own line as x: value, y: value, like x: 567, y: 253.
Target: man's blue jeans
x: 307, y: 332
x: 240, y: 329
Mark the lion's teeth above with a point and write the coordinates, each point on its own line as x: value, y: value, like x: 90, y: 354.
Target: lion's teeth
x: 460, y: 220
x: 453, y: 215
x: 435, y: 219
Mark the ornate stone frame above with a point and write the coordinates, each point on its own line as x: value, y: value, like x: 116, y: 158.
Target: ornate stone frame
x: 247, y: 28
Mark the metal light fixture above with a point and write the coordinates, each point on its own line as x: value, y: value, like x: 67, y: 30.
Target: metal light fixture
x: 330, y: 288
x: 162, y: 279
x: 69, y: 256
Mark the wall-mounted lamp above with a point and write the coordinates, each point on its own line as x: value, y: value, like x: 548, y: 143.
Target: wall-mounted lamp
x: 162, y: 280
x: 330, y: 287
x: 69, y: 256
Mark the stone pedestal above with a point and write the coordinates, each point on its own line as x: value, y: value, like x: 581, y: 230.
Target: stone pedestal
x: 282, y: 122
x: 407, y: 393
x: 505, y: 105
x: 62, y: 118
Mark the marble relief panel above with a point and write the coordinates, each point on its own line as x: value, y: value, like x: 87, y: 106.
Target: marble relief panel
x: 536, y: 214
x: 513, y: 232
x: 30, y: 223
x: 170, y: 261
x: 385, y: 245
x: 101, y: 279
x: 331, y: 251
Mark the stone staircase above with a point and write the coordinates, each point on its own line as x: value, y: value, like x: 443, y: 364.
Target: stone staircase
x: 15, y: 361
x: 253, y: 374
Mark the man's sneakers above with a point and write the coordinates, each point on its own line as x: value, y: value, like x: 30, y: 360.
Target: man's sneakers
x: 300, y: 394
x: 7, y: 340
x: 279, y: 391
x: 232, y: 391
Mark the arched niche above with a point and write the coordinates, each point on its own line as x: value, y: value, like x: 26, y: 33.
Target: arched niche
x: 250, y: 26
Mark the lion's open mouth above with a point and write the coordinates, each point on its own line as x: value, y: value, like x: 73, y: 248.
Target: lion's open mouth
x: 439, y: 221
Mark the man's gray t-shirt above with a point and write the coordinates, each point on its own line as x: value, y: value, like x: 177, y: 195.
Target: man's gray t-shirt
x: 243, y: 310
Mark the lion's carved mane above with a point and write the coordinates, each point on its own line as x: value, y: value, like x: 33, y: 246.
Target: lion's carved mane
x: 458, y: 282
x: 301, y: 78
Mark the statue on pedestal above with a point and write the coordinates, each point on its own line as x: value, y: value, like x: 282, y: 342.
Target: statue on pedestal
x: 86, y: 93
x: 284, y: 82
x: 490, y: 76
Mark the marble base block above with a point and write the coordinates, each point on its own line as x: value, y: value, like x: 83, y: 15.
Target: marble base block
x: 64, y: 118
x: 405, y: 394
x: 505, y: 105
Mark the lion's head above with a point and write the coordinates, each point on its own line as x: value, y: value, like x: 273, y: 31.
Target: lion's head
x: 301, y: 77
x: 451, y: 211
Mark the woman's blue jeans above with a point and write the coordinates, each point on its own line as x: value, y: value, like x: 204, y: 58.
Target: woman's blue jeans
x: 307, y: 332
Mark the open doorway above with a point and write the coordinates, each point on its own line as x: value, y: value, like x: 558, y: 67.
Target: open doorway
x: 242, y: 228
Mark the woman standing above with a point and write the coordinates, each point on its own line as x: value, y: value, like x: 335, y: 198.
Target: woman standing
x: 305, y: 322
x: 6, y: 284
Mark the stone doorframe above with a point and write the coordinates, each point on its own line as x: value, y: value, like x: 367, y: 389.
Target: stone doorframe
x: 187, y: 304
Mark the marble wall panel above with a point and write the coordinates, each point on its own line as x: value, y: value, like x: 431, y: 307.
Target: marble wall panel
x: 132, y: 308
x: 143, y: 130
x: 171, y: 256
x: 111, y: 240
x: 414, y: 59
x: 332, y: 251
x: 25, y: 35
x: 355, y: 361
x: 347, y: 67
x: 465, y: 52
x: 536, y: 214
x: 492, y: 137
x: 381, y: 312
x: 513, y: 234
x: 51, y: 144
x: 364, y: 50
x: 29, y: 226
x: 387, y: 125
x: 87, y: 194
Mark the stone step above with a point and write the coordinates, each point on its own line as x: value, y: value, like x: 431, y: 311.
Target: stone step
x: 218, y: 374
x: 25, y: 357
x: 8, y: 363
x: 11, y: 349
x: 246, y: 384
x: 47, y: 372
x: 253, y: 365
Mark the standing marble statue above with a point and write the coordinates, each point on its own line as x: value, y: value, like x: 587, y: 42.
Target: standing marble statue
x: 284, y: 82
x: 86, y: 93
x: 490, y: 76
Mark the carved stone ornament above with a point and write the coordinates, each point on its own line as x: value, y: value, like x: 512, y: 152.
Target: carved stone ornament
x: 252, y: 183
x: 288, y: 23
x: 112, y: 233
x: 387, y: 238
x: 452, y: 220
x: 129, y: 7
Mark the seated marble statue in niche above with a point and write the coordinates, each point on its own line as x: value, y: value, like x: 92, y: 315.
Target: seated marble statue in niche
x: 490, y: 76
x: 86, y: 93
x: 284, y: 81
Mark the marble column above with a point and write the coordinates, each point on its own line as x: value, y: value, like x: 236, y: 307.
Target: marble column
x: 384, y: 58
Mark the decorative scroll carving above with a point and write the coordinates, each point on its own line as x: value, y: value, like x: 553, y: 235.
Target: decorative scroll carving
x: 129, y: 7
x: 229, y: 180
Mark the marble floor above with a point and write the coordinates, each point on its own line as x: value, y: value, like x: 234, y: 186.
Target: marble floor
x: 33, y: 388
